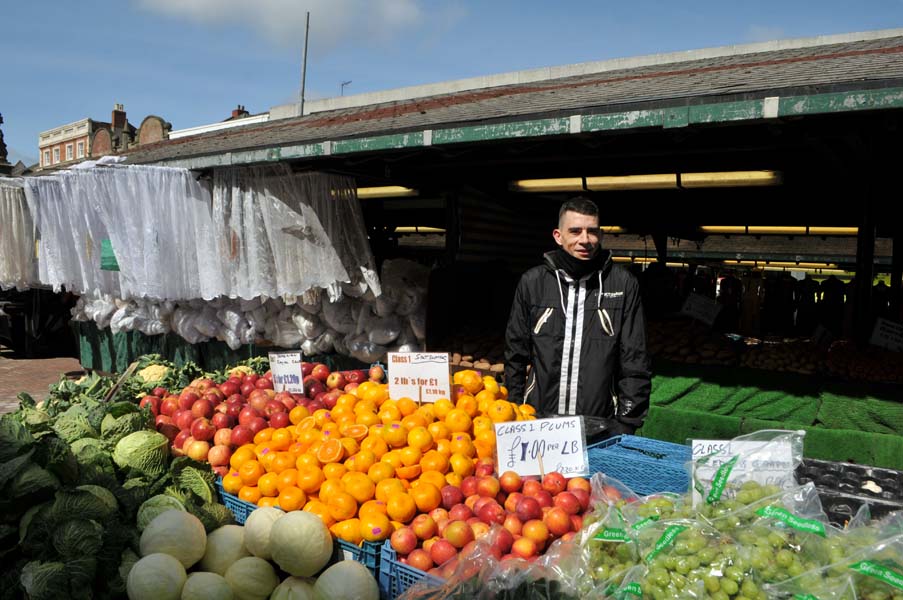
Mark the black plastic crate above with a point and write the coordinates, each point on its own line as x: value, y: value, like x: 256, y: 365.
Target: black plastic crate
x: 844, y: 487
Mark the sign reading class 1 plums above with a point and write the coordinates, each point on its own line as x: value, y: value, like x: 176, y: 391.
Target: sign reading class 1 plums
x: 421, y: 376
x: 542, y: 446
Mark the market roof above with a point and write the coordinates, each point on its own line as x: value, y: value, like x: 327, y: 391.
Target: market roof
x: 819, y: 75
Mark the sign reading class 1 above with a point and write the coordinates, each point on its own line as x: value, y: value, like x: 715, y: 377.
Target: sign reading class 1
x: 542, y: 446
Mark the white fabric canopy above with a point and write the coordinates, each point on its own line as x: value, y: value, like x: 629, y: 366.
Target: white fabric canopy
x: 17, y: 249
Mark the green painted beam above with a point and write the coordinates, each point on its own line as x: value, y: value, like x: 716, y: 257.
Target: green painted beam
x: 634, y: 119
x: 841, y: 102
x: 381, y: 142
x: 500, y: 131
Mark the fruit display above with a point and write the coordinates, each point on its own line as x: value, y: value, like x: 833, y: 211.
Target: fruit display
x: 798, y: 356
x: 847, y: 361
x: 690, y: 342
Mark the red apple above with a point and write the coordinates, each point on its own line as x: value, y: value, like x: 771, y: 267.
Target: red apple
x: 459, y: 512
x: 221, y: 471
x: 403, y: 541
x: 215, y: 395
x: 513, y: 525
x: 558, y: 521
x: 223, y: 437
x: 273, y: 406
x: 554, y: 483
x: 169, y: 405
x: 152, y: 402
x: 355, y: 376
x: 167, y: 428
x: 233, y: 408
x: 488, y: 486
x: 531, y: 487
x: 279, y: 420
x: 247, y: 414
x: 257, y: 425
x: 228, y: 388
x: 313, y: 386
x: 451, y: 495
x: 376, y: 373
x: 528, y: 509
x: 286, y: 399
x: 568, y: 502
x: 420, y: 559
x: 442, y: 550
x: 314, y: 405
x: 258, y: 400
x: 202, y: 408
x: 264, y: 383
x: 320, y: 371
x: 350, y: 386
x: 335, y: 380
x: 222, y: 420
x: 241, y: 435
x: 159, y: 392
x: 306, y: 368
x: 492, y: 513
x: 187, y: 398
x: 218, y: 456
x: 510, y: 481
x: 469, y: 485
x: 424, y: 527
x: 183, y: 419
x: 524, y: 547
x: 202, y: 430
x: 247, y: 388
x: 197, y: 450
x: 544, y: 498
x: 458, y: 533
x: 179, y: 441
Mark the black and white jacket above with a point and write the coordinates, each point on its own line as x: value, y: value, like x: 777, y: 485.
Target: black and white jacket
x: 586, y: 342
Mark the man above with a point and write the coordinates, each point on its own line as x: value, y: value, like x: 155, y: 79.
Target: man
x: 578, y: 321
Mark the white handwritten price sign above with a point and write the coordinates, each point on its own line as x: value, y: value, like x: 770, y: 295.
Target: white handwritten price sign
x: 765, y: 462
x: 701, y: 308
x: 542, y: 446
x: 420, y: 376
x: 888, y: 334
x: 286, y: 368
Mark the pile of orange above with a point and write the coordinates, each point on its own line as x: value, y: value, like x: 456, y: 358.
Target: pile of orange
x: 372, y: 464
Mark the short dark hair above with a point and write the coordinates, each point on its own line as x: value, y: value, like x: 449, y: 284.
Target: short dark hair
x: 581, y: 205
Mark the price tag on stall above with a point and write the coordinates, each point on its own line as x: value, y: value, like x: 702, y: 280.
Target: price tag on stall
x: 768, y: 463
x: 286, y: 368
x: 421, y: 376
x: 888, y: 334
x: 542, y: 446
x: 701, y: 308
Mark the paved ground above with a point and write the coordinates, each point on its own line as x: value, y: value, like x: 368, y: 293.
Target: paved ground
x: 30, y: 375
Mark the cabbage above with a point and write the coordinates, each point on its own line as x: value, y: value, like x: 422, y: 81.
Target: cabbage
x: 177, y: 533
x: 154, y: 506
x: 346, y: 580
x: 251, y: 578
x: 206, y: 586
x: 301, y: 544
x: 78, y: 538
x: 293, y: 588
x: 146, y: 452
x: 156, y: 577
x: 258, y: 527
x: 224, y: 546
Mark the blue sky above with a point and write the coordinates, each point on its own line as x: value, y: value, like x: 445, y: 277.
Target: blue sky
x: 192, y: 61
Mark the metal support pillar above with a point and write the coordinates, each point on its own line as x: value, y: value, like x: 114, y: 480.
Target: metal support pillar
x: 661, y: 246
x: 865, y: 270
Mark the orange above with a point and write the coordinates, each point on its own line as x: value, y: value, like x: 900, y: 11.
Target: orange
x: 331, y: 451
x: 263, y: 435
x: 362, y: 461
x: 434, y: 461
x: 458, y: 420
x: 287, y: 478
x: 501, y: 411
x: 291, y: 498
x: 408, y: 473
x: 232, y: 483
x: 393, y: 457
x: 240, y: 455
x: 427, y: 412
x: 282, y: 461
x: 366, y: 418
x: 281, y: 439
x: 526, y: 409
x: 387, y: 487
x: 322, y: 416
x: 307, y: 423
x: 334, y: 470
x: 484, y: 449
x: 355, y: 432
x: 439, y: 430
x: 420, y: 438
x: 359, y: 486
x: 461, y: 464
x: 310, y: 479
x: 453, y: 479
x: 297, y: 449
x: 412, y: 421
x: 485, y: 435
x: 503, y: 392
x: 348, y: 530
x: 308, y: 459
x: 266, y: 501
x: 468, y: 404
x: 365, y: 406
x: 462, y: 445
x: 444, y: 447
x: 267, y: 484
x: 410, y: 456
x: 484, y: 396
x: 250, y: 472
x: 375, y: 528
x: 350, y: 445
x: 434, y: 477
x: 406, y: 406
x: 381, y: 470
x: 330, y: 487
x: 441, y: 407
x: 249, y: 493
x: 363, y: 390
x: 371, y: 507
x: 471, y: 381
x: 426, y: 496
x: 389, y: 414
x: 321, y: 510
x: 490, y: 385
x: 308, y: 436
x: 330, y: 430
x: 401, y: 507
x: 297, y: 414
x: 375, y: 444
x: 342, y: 505
x: 346, y: 401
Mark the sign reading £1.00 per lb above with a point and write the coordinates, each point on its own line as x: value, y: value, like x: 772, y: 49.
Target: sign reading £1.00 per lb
x: 542, y: 446
x: 286, y: 368
x: 421, y: 376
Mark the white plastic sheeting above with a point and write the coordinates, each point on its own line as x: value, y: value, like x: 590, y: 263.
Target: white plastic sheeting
x: 17, y: 260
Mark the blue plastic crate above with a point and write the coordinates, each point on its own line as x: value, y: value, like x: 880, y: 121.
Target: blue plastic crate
x: 646, y: 466
x: 396, y: 577
x: 368, y: 554
x: 240, y: 509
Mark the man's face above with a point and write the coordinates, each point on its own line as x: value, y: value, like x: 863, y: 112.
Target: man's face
x: 578, y: 235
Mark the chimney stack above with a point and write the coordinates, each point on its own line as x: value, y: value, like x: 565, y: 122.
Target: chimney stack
x: 240, y: 112
x: 118, y: 120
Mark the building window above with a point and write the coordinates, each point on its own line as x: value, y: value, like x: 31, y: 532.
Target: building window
x: 56, y: 155
x: 68, y: 151
x: 80, y: 150
x: 46, y: 157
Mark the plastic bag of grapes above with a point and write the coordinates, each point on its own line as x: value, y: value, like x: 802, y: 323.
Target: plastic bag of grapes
x: 610, y: 491
x: 658, y: 507
x: 609, y: 546
x: 767, y: 457
x: 685, y: 555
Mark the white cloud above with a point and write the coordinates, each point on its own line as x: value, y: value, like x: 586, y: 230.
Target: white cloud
x: 332, y: 22
x: 761, y: 33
